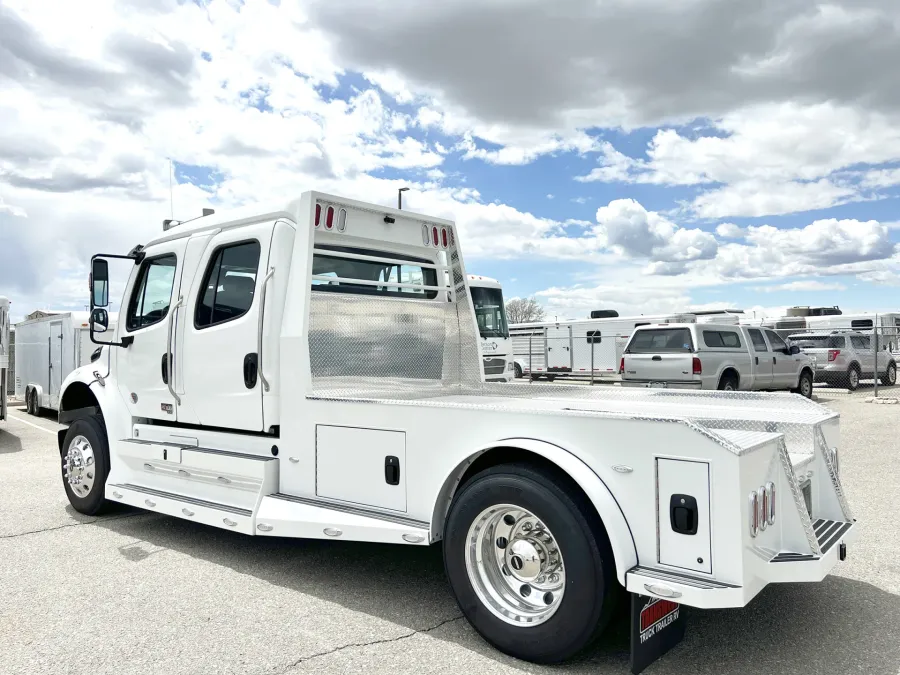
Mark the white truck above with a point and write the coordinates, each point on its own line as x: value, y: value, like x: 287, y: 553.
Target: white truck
x: 490, y: 315
x: 298, y: 371
x: 726, y: 357
x: 579, y: 347
x: 48, y: 348
x: 4, y: 354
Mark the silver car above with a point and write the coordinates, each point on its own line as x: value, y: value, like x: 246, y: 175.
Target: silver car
x: 843, y: 358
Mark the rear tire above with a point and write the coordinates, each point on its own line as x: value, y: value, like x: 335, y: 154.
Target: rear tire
x: 889, y: 379
x: 853, y: 377
x: 34, y: 408
x: 487, y: 573
x: 728, y: 382
x: 85, y: 465
x: 550, y: 378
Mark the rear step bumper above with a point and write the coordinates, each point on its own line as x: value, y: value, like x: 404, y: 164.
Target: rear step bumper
x: 763, y: 568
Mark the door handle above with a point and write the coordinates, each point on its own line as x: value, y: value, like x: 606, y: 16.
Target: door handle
x: 164, y: 367
x: 251, y: 369
x: 391, y: 470
x: 774, y: 360
x: 757, y: 360
x: 656, y: 358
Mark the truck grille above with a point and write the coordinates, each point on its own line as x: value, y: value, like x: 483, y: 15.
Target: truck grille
x: 494, y: 366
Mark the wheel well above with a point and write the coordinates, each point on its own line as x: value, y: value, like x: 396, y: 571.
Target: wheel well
x: 510, y: 455
x: 77, y: 395
x: 730, y: 371
x: 807, y: 369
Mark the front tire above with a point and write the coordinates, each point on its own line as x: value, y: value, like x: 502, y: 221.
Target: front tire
x: 518, y: 370
x: 85, y: 465
x: 805, y: 386
x: 31, y: 404
x: 531, y: 568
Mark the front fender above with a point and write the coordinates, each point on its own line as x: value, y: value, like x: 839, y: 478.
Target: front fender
x: 83, y: 394
x: 620, y: 537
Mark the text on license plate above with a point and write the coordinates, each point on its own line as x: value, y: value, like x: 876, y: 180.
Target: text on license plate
x: 660, y: 385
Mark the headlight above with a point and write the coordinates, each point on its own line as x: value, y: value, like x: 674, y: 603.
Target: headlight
x: 510, y: 366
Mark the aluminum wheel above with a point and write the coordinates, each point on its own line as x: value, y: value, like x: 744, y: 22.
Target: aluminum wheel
x: 79, y: 466
x: 515, y: 565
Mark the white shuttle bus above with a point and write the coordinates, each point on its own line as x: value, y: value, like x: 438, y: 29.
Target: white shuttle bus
x: 490, y: 312
x: 4, y: 354
x: 581, y: 347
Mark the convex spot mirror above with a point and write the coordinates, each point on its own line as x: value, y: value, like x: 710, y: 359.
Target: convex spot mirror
x: 99, y: 320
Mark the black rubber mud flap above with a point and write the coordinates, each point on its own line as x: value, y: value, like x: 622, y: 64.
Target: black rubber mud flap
x: 657, y: 625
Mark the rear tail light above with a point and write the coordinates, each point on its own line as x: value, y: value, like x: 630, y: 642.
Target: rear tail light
x: 753, y: 512
x: 329, y: 218
x: 444, y: 237
x: 833, y: 354
x: 763, y: 501
x: 698, y: 367
x: 761, y: 508
x: 622, y: 366
x: 434, y: 236
x: 318, y: 214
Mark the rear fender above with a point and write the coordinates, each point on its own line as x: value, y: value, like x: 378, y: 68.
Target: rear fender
x: 620, y: 537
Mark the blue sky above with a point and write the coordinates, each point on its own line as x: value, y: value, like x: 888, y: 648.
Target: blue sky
x: 635, y: 157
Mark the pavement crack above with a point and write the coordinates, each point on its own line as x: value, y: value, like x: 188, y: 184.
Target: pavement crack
x: 351, y: 645
x: 61, y: 527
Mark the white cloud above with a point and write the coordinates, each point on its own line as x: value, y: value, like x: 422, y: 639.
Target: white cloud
x: 756, y: 199
x: 810, y: 285
x: 627, y: 228
x: 729, y: 231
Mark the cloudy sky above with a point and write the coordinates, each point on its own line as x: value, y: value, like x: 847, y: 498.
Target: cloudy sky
x: 642, y: 155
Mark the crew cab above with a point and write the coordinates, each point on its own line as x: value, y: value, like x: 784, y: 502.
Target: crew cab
x: 302, y: 370
x: 726, y: 357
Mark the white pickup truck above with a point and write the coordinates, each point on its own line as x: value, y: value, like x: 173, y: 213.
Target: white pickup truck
x: 726, y: 357
x: 298, y: 371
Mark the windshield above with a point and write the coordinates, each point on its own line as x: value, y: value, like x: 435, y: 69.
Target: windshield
x: 490, y: 312
x: 657, y: 340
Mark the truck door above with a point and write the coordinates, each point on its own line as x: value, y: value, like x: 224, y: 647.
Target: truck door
x: 148, y: 316
x: 784, y: 364
x: 223, y: 385
x: 55, y: 348
x: 762, y: 359
x: 559, y: 349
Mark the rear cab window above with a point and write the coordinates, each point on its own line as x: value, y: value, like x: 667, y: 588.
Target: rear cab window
x: 402, y: 269
x: 661, y: 341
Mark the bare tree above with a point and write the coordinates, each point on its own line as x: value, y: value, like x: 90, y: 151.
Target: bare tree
x: 524, y: 310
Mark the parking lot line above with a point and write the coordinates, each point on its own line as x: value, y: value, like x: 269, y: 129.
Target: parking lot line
x: 31, y: 424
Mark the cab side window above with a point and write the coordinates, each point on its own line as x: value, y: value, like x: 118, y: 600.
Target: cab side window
x: 152, y: 292
x: 759, y: 343
x: 228, y: 285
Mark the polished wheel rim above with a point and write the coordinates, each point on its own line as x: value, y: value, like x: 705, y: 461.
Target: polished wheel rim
x: 515, y: 565
x: 79, y: 467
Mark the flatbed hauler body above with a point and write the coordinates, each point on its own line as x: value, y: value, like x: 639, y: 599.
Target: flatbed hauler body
x: 299, y: 372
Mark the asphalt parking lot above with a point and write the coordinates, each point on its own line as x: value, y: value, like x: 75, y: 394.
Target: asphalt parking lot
x: 135, y: 592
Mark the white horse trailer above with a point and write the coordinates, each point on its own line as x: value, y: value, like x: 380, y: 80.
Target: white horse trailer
x: 888, y: 325
x: 579, y: 348
x: 48, y: 348
x: 4, y: 353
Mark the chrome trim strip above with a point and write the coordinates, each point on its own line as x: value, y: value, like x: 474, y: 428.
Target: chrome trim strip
x: 355, y: 510
x: 188, y: 500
